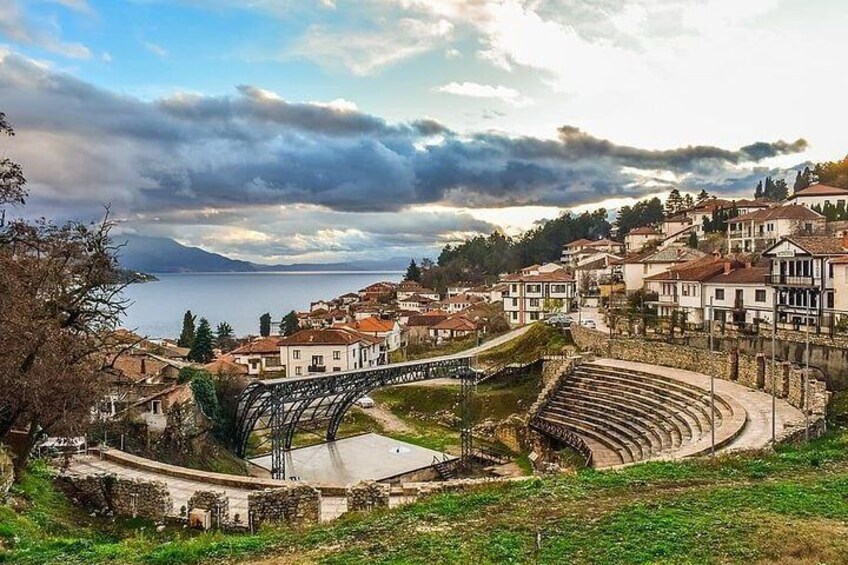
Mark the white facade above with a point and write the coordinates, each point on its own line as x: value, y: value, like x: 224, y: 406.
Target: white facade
x: 532, y: 298
x: 756, y: 299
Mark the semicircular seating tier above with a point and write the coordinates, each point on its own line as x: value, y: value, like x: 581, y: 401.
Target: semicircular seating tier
x: 625, y: 416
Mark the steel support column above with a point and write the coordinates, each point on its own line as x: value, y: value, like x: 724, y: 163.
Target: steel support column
x: 468, y: 384
x: 278, y: 425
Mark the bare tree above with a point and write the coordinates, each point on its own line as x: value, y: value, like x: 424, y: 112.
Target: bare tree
x: 61, y: 301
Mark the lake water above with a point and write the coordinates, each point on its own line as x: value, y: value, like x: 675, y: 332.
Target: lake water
x: 238, y: 298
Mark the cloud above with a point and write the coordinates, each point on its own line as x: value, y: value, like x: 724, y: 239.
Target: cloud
x: 156, y: 49
x: 81, y: 6
x: 477, y: 90
x: 17, y: 27
x: 242, y: 155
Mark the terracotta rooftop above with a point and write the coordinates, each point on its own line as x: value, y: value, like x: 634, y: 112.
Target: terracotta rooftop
x: 374, y: 325
x: 461, y: 299
x: 226, y: 365
x: 426, y: 320
x: 819, y: 245
x: 788, y: 212
x: 700, y: 269
x: 672, y: 254
x: 749, y: 275
x: 819, y: 189
x: 644, y: 230
x: 556, y: 276
x: 328, y: 336
x: 259, y: 346
x: 604, y: 243
x: 579, y: 243
x: 456, y: 323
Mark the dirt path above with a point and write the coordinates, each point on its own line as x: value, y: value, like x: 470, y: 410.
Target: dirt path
x: 388, y: 421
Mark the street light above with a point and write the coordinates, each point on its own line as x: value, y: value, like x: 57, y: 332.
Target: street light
x: 712, y: 388
x: 774, y: 369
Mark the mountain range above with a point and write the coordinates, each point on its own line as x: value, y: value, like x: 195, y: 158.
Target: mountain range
x: 164, y: 255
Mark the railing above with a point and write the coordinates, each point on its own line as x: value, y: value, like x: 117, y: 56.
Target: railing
x: 564, y: 435
x: 316, y: 369
x: 792, y: 280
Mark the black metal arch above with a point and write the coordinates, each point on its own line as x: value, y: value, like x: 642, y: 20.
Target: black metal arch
x: 281, y: 405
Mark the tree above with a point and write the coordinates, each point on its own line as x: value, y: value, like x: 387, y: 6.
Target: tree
x: 833, y: 173
x: 693, y: 240
x: 60, y: 301
x: 413, y: 273
x: 803, y: 179
x: 290, y: 324
x: 265, y: 324
x: 703, y: 195
x: 688, y: 201
x: 643, y: 213
x: 203, y: 388
x: 224, y: 336
x: 201, y: 348
x: 674, y: 203
x: 187, y: 334
x: 758, y: 191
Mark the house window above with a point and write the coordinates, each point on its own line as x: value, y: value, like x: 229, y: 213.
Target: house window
x: 515, y: 315
x: 156, y: 407
x: 296, y: 354
x: 534, y: 315
x: 760, y: 295
x: 298, y: 370
x: 515, y: 302
x: 337, y: 355
x: 337, y: 369
x: 685, y: 290
x: 534, y: 303
x: 719, y: 294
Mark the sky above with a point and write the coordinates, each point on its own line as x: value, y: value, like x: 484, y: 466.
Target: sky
x: 285, y: 131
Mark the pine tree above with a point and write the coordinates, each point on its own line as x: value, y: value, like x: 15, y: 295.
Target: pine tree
x: 693, y: 240
x: 803, y: 180
x: 224, y: 336
x: 413, y: 272
x: 688, y: 201
x: 187, y: 334
x: 703, y: 195
x: 201, y: 349
x: 758, y: 192
x: 290, y: 323
x: 265, y: 324
x: 674, y: 203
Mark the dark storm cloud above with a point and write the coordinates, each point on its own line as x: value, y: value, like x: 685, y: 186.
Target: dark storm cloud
x: 83, y: 145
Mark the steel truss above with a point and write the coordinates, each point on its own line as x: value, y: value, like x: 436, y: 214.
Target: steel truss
x: 281, y: 406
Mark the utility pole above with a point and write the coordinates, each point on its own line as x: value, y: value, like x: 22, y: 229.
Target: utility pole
x: 774, y: 370
x: 712, y: 388
x: 807, y: 372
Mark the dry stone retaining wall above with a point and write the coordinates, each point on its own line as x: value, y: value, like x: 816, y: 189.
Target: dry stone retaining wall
x: 108, y: 494
x: 800, y: 388
x: 368, y: 495
x: 295, y: 504
x: 215, y: 502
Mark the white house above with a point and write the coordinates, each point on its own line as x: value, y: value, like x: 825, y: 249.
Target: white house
x: 453, y: 328
x: 260, y: 356
x: 534, y: 297
x: 679, y: 287
x: 416, y: 303
x: 755, y: 231
x: 387, y: 330
x: 458, y: 303
x: 638, y: 238
x: 329, y: 350
x: 802, y: 275
x: 407, y: 289
x: 739, y: 295
x: 819, y: 195
x: 638, y: 267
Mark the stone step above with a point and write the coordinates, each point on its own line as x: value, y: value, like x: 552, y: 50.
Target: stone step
x: 658, y: 436
x: 603, y: 446
x: 635, y: 449
x: 646, y: 443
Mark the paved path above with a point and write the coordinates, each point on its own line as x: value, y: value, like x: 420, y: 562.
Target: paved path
x: 182, y: 489
x: 757, y: 431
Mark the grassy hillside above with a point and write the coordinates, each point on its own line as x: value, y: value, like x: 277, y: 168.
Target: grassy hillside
x: 786, y: 507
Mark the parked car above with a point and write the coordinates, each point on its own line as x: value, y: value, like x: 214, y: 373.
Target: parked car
x: 365, y: 402
x: 589, y: 324
x: 559, y: 320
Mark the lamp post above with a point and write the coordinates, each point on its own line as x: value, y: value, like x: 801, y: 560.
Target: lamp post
x: 774, y: 369
x: 712, y: 388
x: 807, y: 371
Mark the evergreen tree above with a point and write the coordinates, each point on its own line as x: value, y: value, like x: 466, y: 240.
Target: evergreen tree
x: 224, y: 336
x: 289, y: 324
x: 201, y: 349
x: 780, y: 190
x: 688, y: 201
x: 187, y: 334
x: 643, y: 213
x: 265, y: 324
x: 413, y: 273
x: 703, y: 195
x: 758, y: 192
x: 674, y: 203
x: 693, y: 240
x: 803, y: 180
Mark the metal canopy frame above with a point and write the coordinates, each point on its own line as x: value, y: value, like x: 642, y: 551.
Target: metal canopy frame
x: 282, y: 406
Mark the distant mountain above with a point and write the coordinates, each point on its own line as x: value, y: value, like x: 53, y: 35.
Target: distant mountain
x: 164, y: 255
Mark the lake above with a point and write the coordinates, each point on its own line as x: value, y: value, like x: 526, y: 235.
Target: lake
x: 238, y: 298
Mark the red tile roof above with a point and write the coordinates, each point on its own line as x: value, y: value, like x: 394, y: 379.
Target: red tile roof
x: 456, y: 323
x: 259, y: 346
x: 697, y: 270
x: 579, y: 243
x: 819, y: 189
x: 788, y: 212
x: 374, y: 325
x: 328, y: 336
x: 644, y: 230
x: 749, y: 275
x: 555, y: 276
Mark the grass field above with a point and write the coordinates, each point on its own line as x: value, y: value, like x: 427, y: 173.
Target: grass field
x: 785, y: 507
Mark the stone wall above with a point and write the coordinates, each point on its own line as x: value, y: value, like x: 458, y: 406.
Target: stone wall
x: 368, y: 495
x: 292, y: 504
x: 106, y: 494
x: 215, y: 502
x: 800, y: 388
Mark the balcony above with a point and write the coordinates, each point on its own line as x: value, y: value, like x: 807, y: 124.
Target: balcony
x: 667, y: 299
x: 316, y: 369
x: 793, y: 280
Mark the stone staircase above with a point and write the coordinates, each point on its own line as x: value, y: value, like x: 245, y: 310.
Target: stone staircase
x: 625, y: 416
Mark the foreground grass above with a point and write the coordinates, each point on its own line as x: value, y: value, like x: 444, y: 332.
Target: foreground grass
x: 786, y: 507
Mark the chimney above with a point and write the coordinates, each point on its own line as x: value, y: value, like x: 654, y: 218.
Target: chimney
x: 845, y: 239
x: 727, y: 268
x: 748, y: 264
x: 143, y: 366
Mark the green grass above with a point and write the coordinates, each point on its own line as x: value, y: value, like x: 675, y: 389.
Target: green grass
x: 785, y: 507
x: 538, y: 340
